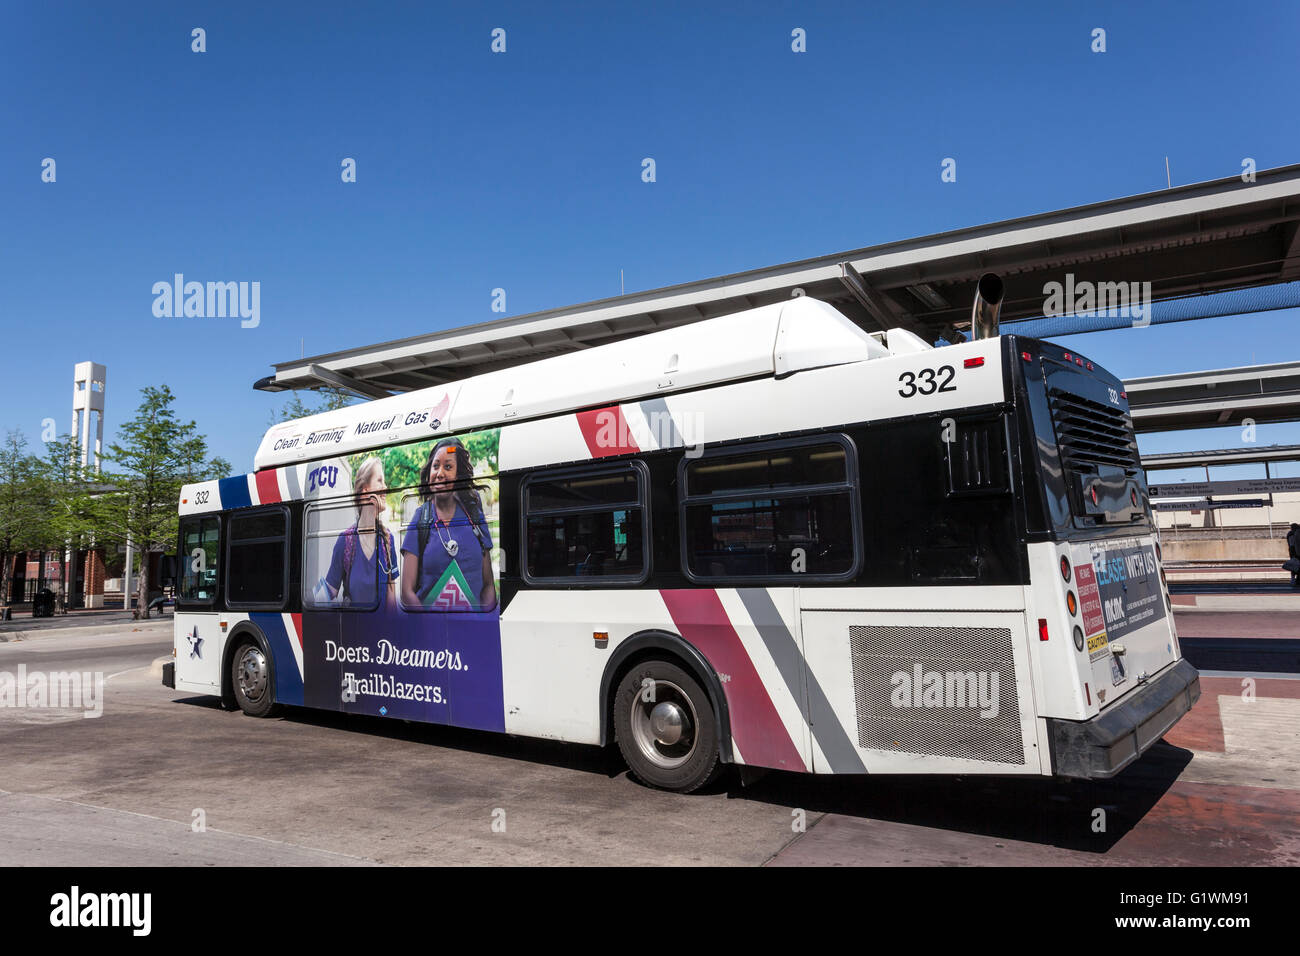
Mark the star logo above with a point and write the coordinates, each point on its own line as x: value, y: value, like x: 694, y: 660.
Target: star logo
x: 196, y: 644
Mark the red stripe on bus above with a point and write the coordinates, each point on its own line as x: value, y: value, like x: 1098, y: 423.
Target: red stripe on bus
x: 268, y: 488
x: 757, y: 728
x: 297, y: 627
x: 605, y: 432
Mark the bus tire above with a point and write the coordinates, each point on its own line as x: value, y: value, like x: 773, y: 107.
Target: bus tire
x: 665, y: 727
x: 252, y: 679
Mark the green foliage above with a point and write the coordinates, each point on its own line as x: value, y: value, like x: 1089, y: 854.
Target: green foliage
x: 155, y: 455
x: 21, y: 513
x: 64, y: 492
x: 326, y: 400
x: 403, y: 463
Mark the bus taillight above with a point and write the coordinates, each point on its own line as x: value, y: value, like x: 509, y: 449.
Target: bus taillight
x: 1071, y: 604
x: 1042, y: 628
x: 1065, y: 567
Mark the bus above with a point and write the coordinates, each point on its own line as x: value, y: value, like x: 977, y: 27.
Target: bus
x: 769, y: 539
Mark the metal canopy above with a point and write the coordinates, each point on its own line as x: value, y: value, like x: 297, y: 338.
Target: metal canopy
x: 1207, y: 237
x: 1262, y: 393
x: 1221, y: 456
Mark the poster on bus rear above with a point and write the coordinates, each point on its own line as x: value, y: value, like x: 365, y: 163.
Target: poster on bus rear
x: 1119, y: 591
x: 399, y: 583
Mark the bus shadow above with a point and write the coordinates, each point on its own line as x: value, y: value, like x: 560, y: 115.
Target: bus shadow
x: 1046, y: 811
x: 604, y: 762
x: 1089, y: 816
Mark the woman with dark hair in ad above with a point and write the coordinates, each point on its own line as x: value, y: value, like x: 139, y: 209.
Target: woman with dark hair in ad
x: 447, y: 550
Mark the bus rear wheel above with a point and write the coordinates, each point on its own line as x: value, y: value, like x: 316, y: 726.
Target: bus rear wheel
x: 252, y: 681
x: 665, y: 727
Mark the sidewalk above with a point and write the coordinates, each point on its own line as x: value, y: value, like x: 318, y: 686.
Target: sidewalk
x: 73, y: 620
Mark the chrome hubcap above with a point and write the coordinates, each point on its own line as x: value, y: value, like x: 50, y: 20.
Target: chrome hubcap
x: 664, y: 728
x: 667, y: 723
x: 251, y: 673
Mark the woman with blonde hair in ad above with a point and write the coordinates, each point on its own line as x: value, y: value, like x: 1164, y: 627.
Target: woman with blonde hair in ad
x: 366, y: 553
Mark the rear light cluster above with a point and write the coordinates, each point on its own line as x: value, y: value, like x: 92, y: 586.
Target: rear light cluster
x: 1071, y: 602
x: 1069, y: 357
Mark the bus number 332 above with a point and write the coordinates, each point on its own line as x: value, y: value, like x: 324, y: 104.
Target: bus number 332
x: 930, y: 381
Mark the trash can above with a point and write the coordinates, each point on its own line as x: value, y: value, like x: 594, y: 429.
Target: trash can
x: 43, y: 603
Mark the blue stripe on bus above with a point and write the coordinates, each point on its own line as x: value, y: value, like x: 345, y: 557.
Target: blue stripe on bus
x: 234, y: 492
x: 288, y: 682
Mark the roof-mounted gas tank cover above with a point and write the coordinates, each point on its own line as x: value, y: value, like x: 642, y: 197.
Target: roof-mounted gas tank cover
x: 984, y: 310
x: 794, y: 335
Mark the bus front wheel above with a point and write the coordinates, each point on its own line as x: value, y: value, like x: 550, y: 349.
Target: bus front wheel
x: 251, y: 680
x: 665, y: 727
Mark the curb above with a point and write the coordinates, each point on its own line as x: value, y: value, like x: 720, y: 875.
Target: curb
x: 1235, y: 602
x: 30, y: 634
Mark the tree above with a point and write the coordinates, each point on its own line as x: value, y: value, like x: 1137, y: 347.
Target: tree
x: 143, y: 473
x: 21, y: 512
x: 64, y: 487
x: 328, y: 399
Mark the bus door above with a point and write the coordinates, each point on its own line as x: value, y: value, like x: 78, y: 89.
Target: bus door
x: 197, y: 633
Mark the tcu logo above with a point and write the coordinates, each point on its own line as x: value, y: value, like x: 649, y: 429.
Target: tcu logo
x: 322, y: 476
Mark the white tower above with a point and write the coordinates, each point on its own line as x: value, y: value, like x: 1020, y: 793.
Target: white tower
x: 88, y: 397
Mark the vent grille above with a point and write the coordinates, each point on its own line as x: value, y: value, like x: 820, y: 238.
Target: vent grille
x: 1091, y: 434
x: 965, y: 705
x: 977, y: 458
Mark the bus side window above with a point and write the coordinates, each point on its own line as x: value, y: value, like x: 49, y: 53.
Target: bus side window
x: 779, y: 511
x: 590, y: 524
x: 257, y: 569
x: 200, y: 556
x: 343, y: 564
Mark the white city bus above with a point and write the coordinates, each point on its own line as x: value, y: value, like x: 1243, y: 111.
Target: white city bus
x: 768, y: 539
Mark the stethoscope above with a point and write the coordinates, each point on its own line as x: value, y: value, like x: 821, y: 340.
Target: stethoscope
x: 448, y: 543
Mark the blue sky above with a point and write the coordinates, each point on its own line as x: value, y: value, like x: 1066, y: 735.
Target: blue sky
x: 522, y: 170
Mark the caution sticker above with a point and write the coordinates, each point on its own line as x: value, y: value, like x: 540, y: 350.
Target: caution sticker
x: 1089, y: 600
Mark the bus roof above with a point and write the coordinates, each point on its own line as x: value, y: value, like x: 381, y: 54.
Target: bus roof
x: 773, y: 340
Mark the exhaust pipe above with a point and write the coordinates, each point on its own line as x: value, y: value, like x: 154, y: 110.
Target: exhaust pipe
x: 984, y: 310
